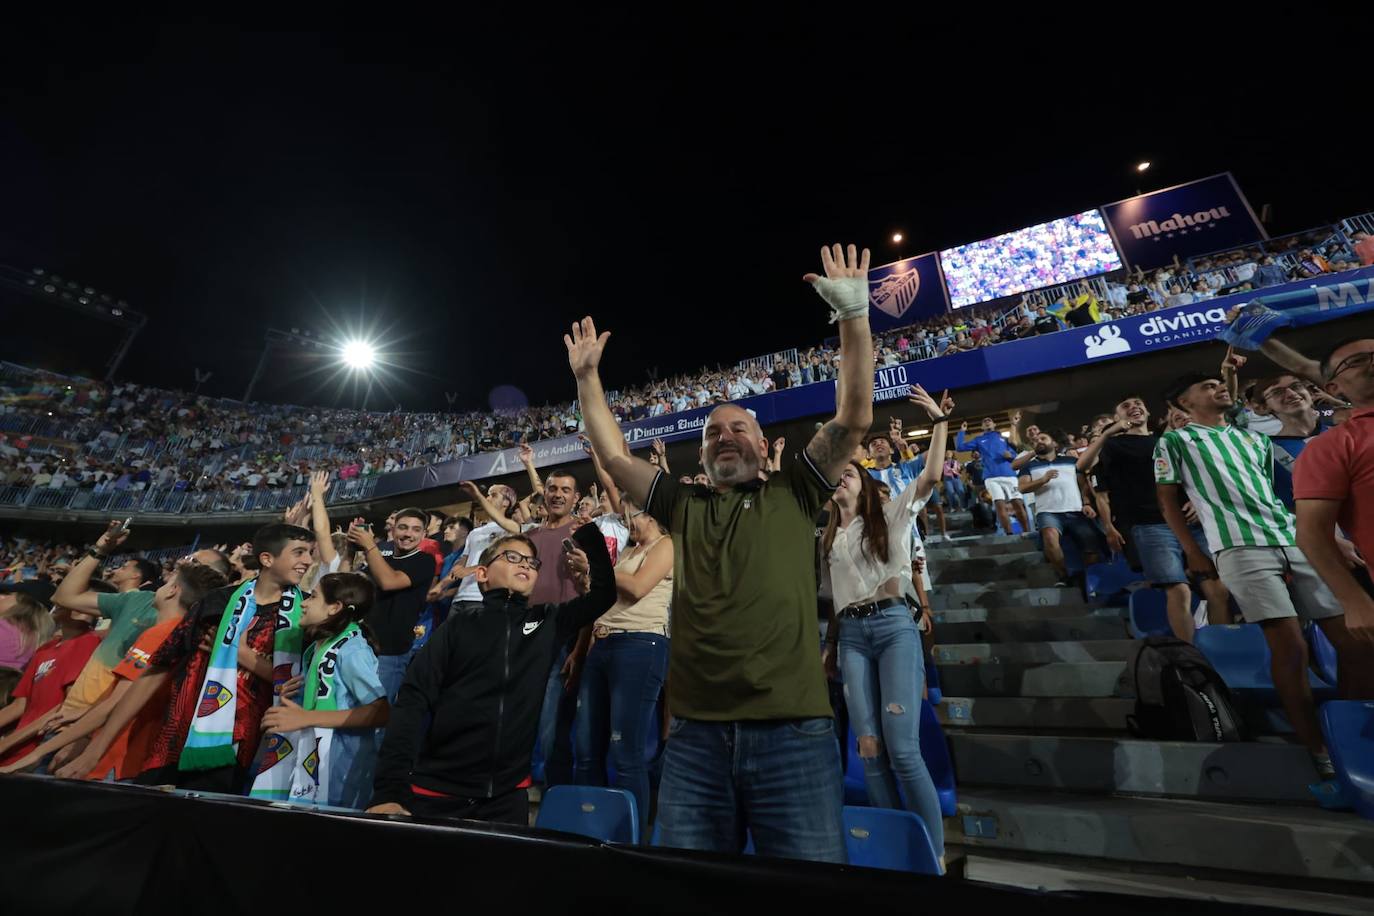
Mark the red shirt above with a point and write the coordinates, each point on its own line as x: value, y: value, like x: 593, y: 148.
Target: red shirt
x: 1365, y: 251
x: 189, y: 665
x: 1339, y: 464
x: 54, y: 667
x: 431, y: 547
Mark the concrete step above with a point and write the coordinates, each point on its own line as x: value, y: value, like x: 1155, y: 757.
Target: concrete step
x: 1014, y: 613
x: 1058, y: 713
x: 1008, y: 594
x: 1239, y: 771
x: 1050, y: 629
x: 1007, y: 565
x: 1023, y: 575
x: 1263, y: 839
x: 962, y: 538
x: 954, y: 550
x: 1083, y: 876
x: 1055, y: 679
x: 984, y: 653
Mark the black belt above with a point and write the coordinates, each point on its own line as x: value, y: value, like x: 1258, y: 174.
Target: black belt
x: 873, y: 607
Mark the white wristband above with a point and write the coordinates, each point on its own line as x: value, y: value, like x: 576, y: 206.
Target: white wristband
x: 847, y: 297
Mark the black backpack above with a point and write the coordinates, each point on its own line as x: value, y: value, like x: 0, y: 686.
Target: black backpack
x: 1179, y: 696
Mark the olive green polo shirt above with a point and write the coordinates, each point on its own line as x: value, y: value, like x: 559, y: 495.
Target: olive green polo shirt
x: 744, y: 636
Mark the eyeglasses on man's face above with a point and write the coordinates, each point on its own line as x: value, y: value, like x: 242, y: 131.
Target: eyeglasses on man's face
x: 1353, y: 361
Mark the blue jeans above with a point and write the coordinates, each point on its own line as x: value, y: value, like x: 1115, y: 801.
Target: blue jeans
x: 1078, y: 526
x: 621, y: 681
x: 555, y: 726
x: 1161, y: 555
x: 778, y: 780
x: 391, y: 671
x: 883, y: 666
x: 954, y: 492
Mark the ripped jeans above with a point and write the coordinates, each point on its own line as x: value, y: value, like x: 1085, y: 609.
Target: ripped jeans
x: 883, y: 666
x: 621, y: 680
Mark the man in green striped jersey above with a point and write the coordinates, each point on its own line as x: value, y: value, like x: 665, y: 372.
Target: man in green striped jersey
x: 1227, y: 474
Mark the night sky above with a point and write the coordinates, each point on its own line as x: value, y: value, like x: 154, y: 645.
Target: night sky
x: 462, y: 191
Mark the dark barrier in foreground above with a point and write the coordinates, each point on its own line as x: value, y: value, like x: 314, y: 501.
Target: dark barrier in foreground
x: 71, y: 847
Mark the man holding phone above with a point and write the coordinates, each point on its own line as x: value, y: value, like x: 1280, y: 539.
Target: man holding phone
x: 560, y: 581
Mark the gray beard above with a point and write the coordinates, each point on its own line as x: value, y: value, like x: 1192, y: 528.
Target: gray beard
x: 746, y: 471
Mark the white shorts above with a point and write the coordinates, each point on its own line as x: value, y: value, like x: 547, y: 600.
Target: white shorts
x: 1270, y: 583
x: 1003, y: 488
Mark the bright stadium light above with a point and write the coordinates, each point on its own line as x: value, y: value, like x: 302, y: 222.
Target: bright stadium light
x: 1142, y: 167
x: 359, y: 354
x: 896, y: 238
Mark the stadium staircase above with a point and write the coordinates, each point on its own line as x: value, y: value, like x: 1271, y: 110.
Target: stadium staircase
x: 1055, y: 791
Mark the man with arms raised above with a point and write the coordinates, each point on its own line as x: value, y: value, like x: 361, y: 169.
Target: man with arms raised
x: 752, y: 740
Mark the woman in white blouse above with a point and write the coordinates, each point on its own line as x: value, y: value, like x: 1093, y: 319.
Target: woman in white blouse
x: 867, y: 546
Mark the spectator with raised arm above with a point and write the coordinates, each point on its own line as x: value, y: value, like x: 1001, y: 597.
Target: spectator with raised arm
x: 745, y: 667
x: 1122, y: 459
x: 998, y: 476
x: 402, y: 574
x: 867, y: 547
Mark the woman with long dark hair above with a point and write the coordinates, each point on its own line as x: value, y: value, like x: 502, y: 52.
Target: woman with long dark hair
x: 867, y: 547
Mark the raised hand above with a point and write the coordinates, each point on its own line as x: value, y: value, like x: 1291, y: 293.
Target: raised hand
x: 1233, y: 361
x: 360, y: 535
x: 586, y: 444
x: 526, y: 453
x: 778, y: 445
x: 585, y: 347
x: 114, y: 536
x: 658, y: 447
x: 845, y: 284
x: 922, y: 399
x: 319, y: 484
x: 470, y: 488
x: 946, y: 403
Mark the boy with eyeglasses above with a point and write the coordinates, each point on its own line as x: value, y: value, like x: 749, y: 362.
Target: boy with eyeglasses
x: 463, y: 727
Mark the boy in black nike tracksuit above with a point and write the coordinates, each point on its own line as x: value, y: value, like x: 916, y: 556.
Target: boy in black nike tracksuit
x: 480, y: 682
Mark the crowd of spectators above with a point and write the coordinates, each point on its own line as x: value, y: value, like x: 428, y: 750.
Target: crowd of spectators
x: 1284, y: 539
x: 61, y: 433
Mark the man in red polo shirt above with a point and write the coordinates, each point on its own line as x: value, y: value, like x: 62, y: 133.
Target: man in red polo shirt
x: 1333, y: 484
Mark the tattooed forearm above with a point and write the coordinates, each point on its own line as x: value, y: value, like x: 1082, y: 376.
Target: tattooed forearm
x: 832, y: 446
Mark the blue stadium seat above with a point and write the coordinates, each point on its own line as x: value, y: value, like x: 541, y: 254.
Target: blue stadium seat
x: 1149, y: 614
x: 894, y: 840
x: 1241, y: 656
x: 1323, y: 653
x: 934, y: 751
x: 1107, y: 582
x: 609, y: 815
x: 1348, y: 726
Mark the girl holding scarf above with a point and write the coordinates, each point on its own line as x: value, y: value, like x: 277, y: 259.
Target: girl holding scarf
x: 334, y: 728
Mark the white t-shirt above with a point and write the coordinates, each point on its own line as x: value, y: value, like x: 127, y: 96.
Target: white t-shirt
x: 615, y: 532
x: 1061, y: 494
x: 481, y: 537
x: 854, y: 576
